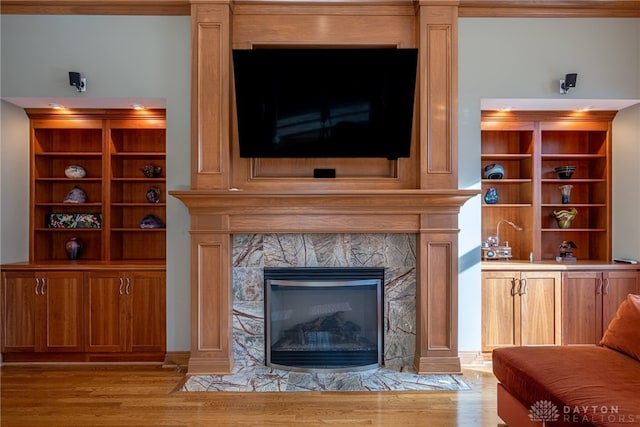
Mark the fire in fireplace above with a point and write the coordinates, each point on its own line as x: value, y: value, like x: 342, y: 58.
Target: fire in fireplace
x: 323, y: 318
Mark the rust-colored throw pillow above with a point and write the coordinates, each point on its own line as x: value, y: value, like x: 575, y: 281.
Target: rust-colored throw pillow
x: 623, y: 333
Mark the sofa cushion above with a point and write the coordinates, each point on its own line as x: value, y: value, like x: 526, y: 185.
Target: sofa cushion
x: 591, y: 385
x: 623, y: 333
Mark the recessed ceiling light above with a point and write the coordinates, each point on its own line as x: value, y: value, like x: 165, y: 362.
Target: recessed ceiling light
x: 507, y: 108
x: 137, y: 106
x: 56, y: 106
x: 586, y: 108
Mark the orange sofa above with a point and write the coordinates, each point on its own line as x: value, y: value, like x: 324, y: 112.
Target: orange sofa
x: 574, y: 385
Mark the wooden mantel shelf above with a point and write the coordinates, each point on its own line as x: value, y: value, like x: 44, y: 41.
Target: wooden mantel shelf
x: 402, y: 211
x: 329, y: 201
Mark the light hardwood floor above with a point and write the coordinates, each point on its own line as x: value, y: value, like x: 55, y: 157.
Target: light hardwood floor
x: 148, y: 395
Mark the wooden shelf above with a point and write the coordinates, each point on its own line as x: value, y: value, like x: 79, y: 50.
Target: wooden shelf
x: 530, y: 145
x: 112, y: 146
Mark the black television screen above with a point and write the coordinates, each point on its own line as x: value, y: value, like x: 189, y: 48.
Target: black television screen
x: 325, y: 102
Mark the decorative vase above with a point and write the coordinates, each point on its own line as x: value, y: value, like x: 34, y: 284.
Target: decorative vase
x: 491, y: 196
x: 73, y: 248
x: 564, y: 217
x: 566, y: 193
x: 153, y: 195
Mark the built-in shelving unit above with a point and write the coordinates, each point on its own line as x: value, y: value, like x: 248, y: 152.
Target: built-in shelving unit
x: 530, y: 145
x: 112, y: 147
x: 109, y: 303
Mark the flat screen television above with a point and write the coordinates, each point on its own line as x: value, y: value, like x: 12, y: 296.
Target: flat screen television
x: 325, y: 102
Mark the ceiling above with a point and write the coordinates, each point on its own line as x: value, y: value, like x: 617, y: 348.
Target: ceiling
x: 489, y: 104
x: 148, y: 103
x: 555, y: 104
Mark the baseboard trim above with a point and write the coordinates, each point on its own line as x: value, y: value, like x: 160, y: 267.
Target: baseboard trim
x: 176, y: 359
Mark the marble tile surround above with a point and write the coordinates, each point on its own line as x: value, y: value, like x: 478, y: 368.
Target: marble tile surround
x: 395, y: 252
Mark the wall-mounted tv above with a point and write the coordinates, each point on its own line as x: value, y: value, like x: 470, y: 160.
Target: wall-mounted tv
x: 325, y: 102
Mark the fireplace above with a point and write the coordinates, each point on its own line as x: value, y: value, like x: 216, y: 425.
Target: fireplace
x: 323, y: 318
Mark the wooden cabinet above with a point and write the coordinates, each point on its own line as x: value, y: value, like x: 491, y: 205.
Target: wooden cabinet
x: 112, y: 146
x: 109, y: 303
x: 520, y: 308
x: 42, y: 311
x: 590, y: 300
x: 125, y: 311
x: 529, y: 146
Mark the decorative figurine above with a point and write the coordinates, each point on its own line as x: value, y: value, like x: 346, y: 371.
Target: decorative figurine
x: 566, y: 251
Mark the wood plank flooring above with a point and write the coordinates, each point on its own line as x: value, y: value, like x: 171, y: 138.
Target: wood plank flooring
x: 148, y: 395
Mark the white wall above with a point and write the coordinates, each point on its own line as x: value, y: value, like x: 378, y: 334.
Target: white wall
x: 121, y: 56
x: 14, y: 189
x: 525, y: 58
x: 150, y: 57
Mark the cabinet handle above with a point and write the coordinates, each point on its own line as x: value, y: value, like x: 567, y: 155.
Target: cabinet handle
x: 121, y: 285
x: 514, y: 291
x: 523, y: 287
x: 128, y: 286
x: 599, y: 287
x: 37, y: 285
x: 43, y: 288
x: 606, y: 286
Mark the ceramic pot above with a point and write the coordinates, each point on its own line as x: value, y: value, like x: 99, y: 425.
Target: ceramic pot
x: 153, y: 195
x: 491, y: 196
x: 151, y: 171
x: 73, y: 248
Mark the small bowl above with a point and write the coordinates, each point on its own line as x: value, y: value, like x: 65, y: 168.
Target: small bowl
x: 565, y: 172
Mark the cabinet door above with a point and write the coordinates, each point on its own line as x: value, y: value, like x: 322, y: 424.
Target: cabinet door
x: 105, y: 312
x: 539, y: 296
x: 581, y: 301
x: 60, y: 317
x: 147, y: 311
x: 498, y: 312
x: 617, y: 285
x: 19, y: 307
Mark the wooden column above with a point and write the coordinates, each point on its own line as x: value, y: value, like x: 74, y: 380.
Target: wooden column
x: 210, y: 94
x: 437, y: 294
x: 438, y: 78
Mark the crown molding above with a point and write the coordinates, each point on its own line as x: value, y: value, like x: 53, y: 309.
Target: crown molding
x: 466, y: 8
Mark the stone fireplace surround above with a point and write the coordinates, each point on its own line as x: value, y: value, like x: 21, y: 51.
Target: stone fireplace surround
x: 394, y: 252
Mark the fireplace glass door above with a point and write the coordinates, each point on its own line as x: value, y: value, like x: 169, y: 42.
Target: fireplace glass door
x: 324, y: 318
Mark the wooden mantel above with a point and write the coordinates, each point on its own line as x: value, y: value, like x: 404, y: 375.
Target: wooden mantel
x: 431, y: 215
x: 231, y: 195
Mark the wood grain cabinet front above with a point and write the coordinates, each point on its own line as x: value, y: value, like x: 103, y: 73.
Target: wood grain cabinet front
x: 520, y: 308
x: 590, y: 300
x: 125, y: 311
x: 42, y: 311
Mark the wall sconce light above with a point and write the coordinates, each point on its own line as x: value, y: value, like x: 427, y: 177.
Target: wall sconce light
x: 80, y: 83
x: 568, y: 82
